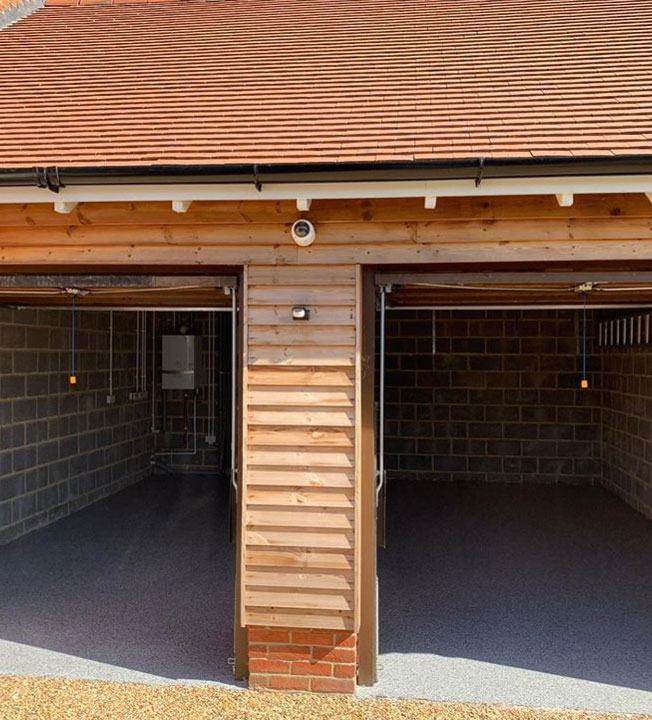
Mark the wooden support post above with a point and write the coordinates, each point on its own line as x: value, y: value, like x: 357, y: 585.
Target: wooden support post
x: 300, y: 568
x: 368, y: 632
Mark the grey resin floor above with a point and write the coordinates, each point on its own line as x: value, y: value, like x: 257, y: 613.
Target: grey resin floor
x: 137, y: 587
x: 511, y: 594
x: 514, y: 594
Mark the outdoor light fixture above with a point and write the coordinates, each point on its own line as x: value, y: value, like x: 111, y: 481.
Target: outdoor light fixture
x: 303, y: 233
x: 300, y: 313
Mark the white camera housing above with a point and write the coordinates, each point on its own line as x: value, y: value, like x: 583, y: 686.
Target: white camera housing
x: 303, y: 233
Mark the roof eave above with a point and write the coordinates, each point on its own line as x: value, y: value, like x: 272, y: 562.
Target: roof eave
x: 184, y: 184
x: 445, y: 169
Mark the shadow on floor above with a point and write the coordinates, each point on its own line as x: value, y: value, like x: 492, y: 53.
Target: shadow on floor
x: 556, y: 579
x: 141, y: 582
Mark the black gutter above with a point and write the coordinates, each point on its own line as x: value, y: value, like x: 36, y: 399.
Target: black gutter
x: 478, y: 169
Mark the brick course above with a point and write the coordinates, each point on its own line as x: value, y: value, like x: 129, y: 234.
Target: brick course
x: 63, y: 447
x: 295, y: 659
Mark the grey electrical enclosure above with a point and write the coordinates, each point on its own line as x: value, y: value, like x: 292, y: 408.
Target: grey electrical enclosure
x: 180, y: 362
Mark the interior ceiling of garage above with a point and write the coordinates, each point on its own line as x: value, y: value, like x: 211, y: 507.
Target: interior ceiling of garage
x: 116, y: 291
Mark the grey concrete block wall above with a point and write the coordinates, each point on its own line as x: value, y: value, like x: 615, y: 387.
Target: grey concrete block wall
x: 627, y: 424
x: 61, y: 446
x: 490, y: 396
x: 170, y: 434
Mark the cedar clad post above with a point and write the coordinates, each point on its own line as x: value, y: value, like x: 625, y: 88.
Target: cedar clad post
x: 299, y: 477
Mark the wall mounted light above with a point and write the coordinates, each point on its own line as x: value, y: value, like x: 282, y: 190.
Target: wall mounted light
x: 300, y: 313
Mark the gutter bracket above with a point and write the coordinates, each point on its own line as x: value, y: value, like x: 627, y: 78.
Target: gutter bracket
x: 257, y: 183
x: 48, y: 177
x: 478, y: 177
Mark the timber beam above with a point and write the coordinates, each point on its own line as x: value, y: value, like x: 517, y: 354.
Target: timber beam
x: 572, y: 278
x: 116, y: 281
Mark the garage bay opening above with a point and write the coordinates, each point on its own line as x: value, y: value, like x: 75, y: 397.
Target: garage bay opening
x: 117, y: 420
x: 515, y: 491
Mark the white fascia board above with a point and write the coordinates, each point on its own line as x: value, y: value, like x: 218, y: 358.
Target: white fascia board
x: 491, y: 187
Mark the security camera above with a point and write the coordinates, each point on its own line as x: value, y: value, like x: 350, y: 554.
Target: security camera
x: 303, y: 233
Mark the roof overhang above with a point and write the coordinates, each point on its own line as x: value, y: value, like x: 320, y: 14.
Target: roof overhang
x: 182, y: 185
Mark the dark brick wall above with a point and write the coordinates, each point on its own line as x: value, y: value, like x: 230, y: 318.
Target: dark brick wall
x: 497, y: 400
x: 63, y: 447
x: 627, y: 424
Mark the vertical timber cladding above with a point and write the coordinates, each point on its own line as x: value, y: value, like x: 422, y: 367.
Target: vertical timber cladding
x: 299, y: 476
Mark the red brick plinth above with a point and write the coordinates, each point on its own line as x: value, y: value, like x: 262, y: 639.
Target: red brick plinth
x: 308, y: 660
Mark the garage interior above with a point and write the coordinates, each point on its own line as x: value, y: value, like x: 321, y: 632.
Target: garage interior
x: 116, y: 421
x: 517, y: 439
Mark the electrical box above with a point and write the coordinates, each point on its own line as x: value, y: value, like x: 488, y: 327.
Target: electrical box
x: 180, y: 362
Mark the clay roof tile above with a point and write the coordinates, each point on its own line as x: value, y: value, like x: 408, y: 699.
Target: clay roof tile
x: 130, y: 82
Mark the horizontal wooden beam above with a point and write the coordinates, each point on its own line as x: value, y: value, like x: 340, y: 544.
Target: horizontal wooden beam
x: 511, y: 278
x: 115, y: 281
x: 121, y: 214
x: 38, y: 256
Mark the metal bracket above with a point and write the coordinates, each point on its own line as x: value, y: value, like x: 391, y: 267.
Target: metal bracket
x: 382, y: 291
x: 48, y: 177
x: 234, y: 481
x: 584, y: 288
x: 478, y: 177
x: 257, y: 183
x: 76, y: 292
x: 381, y: 478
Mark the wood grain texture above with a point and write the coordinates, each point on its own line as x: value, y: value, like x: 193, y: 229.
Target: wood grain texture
x: 300, y: 422
x: 285, y: 212
x: 529, y: 229
x: 303, y: 478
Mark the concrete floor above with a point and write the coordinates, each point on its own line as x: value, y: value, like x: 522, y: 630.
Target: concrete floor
x: 537, y: 595
x: 138, y: 587
x: 513, y: 594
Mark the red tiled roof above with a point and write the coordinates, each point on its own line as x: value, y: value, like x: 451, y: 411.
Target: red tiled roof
x: 238, y: 81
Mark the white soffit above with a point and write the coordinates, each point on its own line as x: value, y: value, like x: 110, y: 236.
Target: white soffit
x: 187, y: 193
